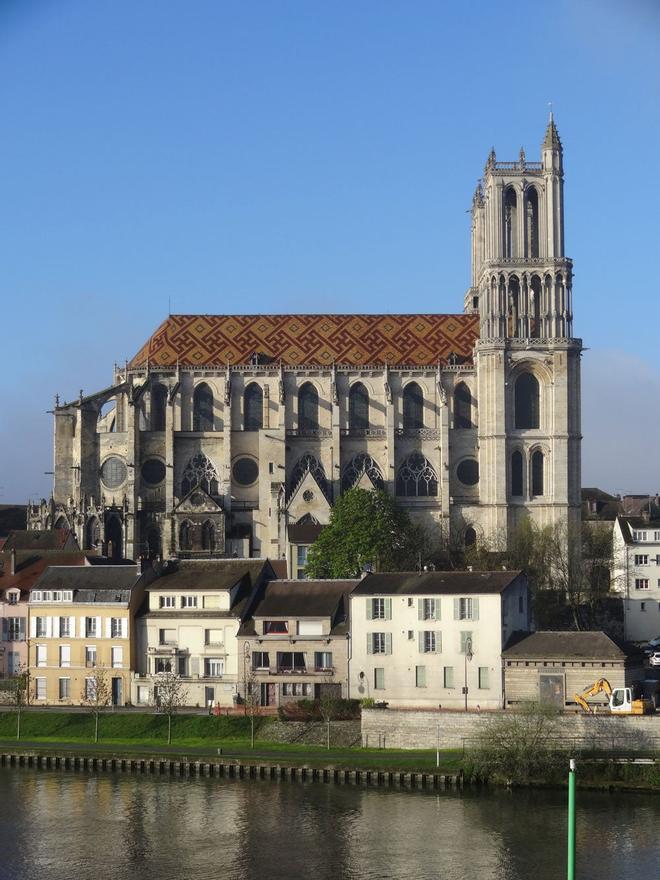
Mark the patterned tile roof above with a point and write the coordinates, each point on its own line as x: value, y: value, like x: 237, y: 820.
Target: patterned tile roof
x: 215, y: 340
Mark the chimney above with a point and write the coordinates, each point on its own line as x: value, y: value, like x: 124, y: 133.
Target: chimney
x: 13, y: 561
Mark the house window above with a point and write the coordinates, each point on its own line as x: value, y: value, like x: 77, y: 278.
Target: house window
x: 15, y: 632
x: 213, y: 667
x: 448, y: 676
x: 189, y: 601
x: 379, y: 678
x: 310, y: 627
x: 167, y: 636
x: 42, y: 655
x: 296, y: 689
x: 90, y: 628
x: 41, y: 627
x: 323, y: 661
x: 378, y: 643
x: 260, y: 660
x: 117, y: 657
x: 484, y: 680
x: 301, y: 560
x: 65, y: 627
x: 465, y: 609
x: 420, y: 676
x: 641, y: 583
x: 12, y: 598
x: 65, y: 656
x: 116, y: 628
x: 431, y: 609
x: 182, y: 665
x: 429, y: 642
x: 167, y: 602
x: 656, y: 536
x: 275, y: 627
x: 65, y: 688
x: 90, y: 656
x: 639, y: 536
x: 378, y: 609
x: 163, y: 664
x: 90, y: 689
x: 466, y: 640
x: 641, y: 559
x: 213, y: 637
x: 291, y: 661
x: 40, y: 688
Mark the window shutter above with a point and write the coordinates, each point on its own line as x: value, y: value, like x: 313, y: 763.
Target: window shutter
x: 72, y: 627
x: 124, y: 628
x: 108, y: 628
x: 388, y: 609
x: 4, y: 629
x: 98, y: 628
x: 438, y: 607
x: 21, y: 629
x: 33, y: 626
x: 83, y: 632
x: 370, y: 644
x: 457, y: 609
x: 194, y: 665
x: 438, y: 643
x: 475, y: 609
x: 420, y: 609
x: 388, y: 643
x: 49, y: 627
x: 370, y: 609
x: 420, y: 637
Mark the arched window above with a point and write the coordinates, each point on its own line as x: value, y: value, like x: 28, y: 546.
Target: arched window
x: 253, y: 408
x: 308, y: 408
x: 200, y: 471
x: 185, y: 535
x: 413, y: 407
x: 416, y: 477
x: 202, y: 408
x: 517, y: 474
x: 510, y: 223
x: 113, y: 536
x: 308, y: 464
x: 469, y: 537
x: 462, y: 407
x: 358, y: 407
x: 532, y: 222
x: 527, y: 402
x: 158, y: 407
x: 92, y: 534
x: 361, y: 464
x: 537, y: 473
x: 208, y: 536
x: 513, y: 308
x: 535, y: 307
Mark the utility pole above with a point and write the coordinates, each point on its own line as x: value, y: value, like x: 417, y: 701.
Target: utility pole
x: 570, y: 874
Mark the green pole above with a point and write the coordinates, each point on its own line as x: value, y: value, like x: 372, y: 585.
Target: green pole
x: 571, y: 820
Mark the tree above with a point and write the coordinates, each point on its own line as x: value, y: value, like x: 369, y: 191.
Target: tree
x: 366, y: 526
x: 172, y: 695
x: 97, y: 695
x: 329, y: 703
x: 15, y: 693
x: 252, y: 696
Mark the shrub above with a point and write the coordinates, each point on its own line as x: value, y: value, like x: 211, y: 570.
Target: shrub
x: 310, y: 710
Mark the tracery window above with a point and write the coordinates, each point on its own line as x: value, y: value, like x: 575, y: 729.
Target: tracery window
x: 253, y: 408
x: 308, y: 408
x: 361, y: 464
x: 308, y: 464
x: 202, y: 408
x: 416, y: 477
x: 358, y: 408
x: 92, y: 533
x: 185, y: 535
x: 413, y: 407
x: 527, y: 401
x: 200, y: 471
x: 463, y: 407
x: 158, y: 407
x: 208, y: 536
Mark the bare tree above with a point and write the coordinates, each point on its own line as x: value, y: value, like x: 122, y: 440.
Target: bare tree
x: 172, y: 695
x: 329, y: 702
x: 252, y: 699
x: 97, y: 695
x: 15, y: 693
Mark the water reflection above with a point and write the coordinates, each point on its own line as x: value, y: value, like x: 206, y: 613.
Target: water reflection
x: 62, y: 825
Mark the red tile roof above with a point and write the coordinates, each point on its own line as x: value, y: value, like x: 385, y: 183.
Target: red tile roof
x: 216, y: 340
x: 30, y: 567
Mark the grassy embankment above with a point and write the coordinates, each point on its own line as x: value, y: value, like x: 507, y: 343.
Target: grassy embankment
x: 199, y: 736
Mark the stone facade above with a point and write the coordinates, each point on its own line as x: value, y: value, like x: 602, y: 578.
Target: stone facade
x: 225, y: 430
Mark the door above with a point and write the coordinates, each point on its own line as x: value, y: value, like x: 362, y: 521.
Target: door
x: 117, y: 688
x: 209, y: 697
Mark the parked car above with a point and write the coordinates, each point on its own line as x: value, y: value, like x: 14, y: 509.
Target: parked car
x: 654, y: 659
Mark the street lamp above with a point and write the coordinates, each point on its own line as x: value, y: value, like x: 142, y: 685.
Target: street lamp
x: 468, y: 656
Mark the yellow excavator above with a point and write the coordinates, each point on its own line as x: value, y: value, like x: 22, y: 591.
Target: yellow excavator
x: 621, y: 700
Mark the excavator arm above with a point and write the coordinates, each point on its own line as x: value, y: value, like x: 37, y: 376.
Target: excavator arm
x: 598, y: 687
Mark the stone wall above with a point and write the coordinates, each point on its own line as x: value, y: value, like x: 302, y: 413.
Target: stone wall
x: 404, y: 729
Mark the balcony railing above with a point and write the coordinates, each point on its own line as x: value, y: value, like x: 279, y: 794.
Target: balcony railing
x: 363, y: 432
x: 294, y: 670
x: 309, y: 432
x: 418, y: 433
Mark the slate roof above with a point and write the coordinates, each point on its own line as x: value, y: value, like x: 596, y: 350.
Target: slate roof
x: 304, y: 598
x: 30, y: 567
x: 411, y: 583
x: 294, y: 340
x: 569, y: 645
x: 94, y: 583
x: 637, y: 523
x: 304, y: 533
x: 46, y: 539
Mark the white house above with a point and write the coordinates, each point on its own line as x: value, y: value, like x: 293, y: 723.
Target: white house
x: 636, y: 562
x: 421, y: 639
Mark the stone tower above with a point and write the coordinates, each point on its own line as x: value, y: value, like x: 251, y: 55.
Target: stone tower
x: 526, y: 359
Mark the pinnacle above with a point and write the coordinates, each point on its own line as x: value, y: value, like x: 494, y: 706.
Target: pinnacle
x: 552, y: 139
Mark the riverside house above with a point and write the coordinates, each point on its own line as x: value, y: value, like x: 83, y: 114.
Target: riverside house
x: 189, y: 624
x: 295, y: 644
x: 420, y: 639
x: 80, y: 619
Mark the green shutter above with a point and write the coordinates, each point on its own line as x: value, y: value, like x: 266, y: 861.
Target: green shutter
x: 475, y: 609
x: 388, y: 643
x: 420, y: 637
x: 420, y: 609
x: 370, y: 643
x: 438, y: 608
x: 388, y: 609
x: 370, y: 609
x: 438, y: 643
x: 457, y: 609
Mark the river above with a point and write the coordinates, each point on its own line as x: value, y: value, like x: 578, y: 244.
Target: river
x: 99, y: 827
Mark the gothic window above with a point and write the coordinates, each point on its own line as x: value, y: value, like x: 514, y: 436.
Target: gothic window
x: 416, y: 477
x: 113, y: 472
x: 361, y: 464
x: 413, y: 406
x: 113, y: 535
x: 307, y: 519
x: 358, y: 407
x: 253, y: 408
x: 308, y: 464
x: 185, y: 535
x: 510, y: 223
x: 535, y: 307
x: 532, y: 222
x: 517, y: 474
x: 469, y: 537
x: 208, y: 536
x: 200, y: 471
x: 537, y: 473
x: 158, y: 407
x: 462, y: 407
x: 527, y: 403
x: 202, y: 408
x: 513, y: 308
x: 308, y: 408
x: 92, y: 534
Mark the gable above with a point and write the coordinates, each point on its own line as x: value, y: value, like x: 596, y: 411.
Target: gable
x: 198, y: 501
x: 309, y: 499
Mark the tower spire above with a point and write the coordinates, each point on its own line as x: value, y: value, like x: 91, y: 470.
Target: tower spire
x: 551, y: 140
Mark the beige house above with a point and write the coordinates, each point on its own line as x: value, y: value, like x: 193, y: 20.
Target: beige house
x: 81, y: 618
x: 295, y: 643
x: 193, y: 612
x: 636, y: 575
x: 421, y: 639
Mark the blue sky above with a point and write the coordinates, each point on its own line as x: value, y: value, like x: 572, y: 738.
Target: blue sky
x: 216, y: 156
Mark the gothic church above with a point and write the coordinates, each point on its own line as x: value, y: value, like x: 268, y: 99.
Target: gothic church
x: 232, y: 435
